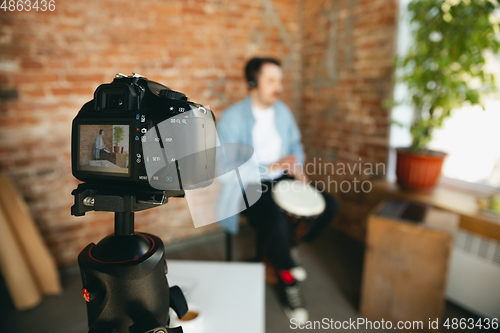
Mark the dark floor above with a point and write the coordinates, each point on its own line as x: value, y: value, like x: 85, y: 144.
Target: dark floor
x: 332, y: 289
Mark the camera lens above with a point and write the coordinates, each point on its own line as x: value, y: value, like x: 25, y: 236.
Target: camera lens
x: 114, y: 101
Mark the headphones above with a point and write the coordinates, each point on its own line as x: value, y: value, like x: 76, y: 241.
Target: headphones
x: 251, y: 71
x: 252, y: 84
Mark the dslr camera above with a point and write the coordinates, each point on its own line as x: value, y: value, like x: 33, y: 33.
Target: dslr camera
x: 134, y: 145
x: 140, y: 134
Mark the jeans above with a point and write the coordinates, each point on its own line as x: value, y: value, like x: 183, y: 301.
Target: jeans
x: 275, y: 232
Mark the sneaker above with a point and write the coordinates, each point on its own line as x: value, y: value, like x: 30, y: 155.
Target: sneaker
x: 299, y: 273
x: 294, y: 304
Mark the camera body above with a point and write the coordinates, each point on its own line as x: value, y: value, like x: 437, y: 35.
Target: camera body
x: 138, y: 134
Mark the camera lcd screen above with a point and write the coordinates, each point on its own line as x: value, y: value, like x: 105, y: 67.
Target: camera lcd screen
x: 104, y: 149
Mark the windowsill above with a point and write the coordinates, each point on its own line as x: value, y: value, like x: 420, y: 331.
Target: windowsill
x: 477, y: 190
x: 451, y: 198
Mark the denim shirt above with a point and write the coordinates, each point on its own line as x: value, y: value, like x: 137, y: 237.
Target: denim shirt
x: 235, y: 126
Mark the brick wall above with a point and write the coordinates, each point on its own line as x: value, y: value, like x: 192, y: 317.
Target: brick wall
x: 337, y: 59
x: 51, y: 63
x: 348, y: 53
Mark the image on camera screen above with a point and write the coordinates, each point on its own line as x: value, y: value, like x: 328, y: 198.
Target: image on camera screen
x: 104, y: 148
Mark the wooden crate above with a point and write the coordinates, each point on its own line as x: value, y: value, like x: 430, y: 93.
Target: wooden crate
x: 406, y: 267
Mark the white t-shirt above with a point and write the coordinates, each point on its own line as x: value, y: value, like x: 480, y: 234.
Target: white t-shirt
x: 266, y: 139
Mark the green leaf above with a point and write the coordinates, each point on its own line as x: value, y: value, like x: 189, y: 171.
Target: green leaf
x: 448, y: 63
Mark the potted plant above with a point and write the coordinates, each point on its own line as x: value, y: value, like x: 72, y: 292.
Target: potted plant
x: 443, y: 70
x: 118, y: 134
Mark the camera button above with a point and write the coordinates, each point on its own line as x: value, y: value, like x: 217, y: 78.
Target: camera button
x: 142, y: 175
x: 88, y: 295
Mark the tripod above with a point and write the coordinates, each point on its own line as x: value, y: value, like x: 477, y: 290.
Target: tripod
x: 123, y: 276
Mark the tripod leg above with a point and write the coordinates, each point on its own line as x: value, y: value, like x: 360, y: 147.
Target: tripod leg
x: 178, y: 301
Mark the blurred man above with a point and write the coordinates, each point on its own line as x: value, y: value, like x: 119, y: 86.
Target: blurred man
x: 100, y: 151
x: 267, y: 124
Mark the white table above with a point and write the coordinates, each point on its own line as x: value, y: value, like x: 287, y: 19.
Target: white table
x: 229, y: 295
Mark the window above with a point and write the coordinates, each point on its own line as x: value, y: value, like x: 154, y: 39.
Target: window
x: 470, y: 137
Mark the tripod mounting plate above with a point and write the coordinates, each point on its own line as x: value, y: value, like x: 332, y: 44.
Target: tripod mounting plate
x: 102, y: 198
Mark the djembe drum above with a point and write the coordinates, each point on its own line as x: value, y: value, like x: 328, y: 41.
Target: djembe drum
x: 302, y: 204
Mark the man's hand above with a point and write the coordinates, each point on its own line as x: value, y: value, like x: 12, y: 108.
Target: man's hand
x: 299, y: 175
x: 286, y: 163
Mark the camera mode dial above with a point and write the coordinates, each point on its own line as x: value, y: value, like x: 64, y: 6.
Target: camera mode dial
x: 171, y: 94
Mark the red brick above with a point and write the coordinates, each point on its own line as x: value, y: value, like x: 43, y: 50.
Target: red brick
x: 85, y: 77
x: 31, y: 64
x: 38, y: 78
x: 61, y: 91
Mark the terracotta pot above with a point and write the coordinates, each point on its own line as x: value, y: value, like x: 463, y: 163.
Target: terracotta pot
x: 418, y: 171
x: 116, y: 149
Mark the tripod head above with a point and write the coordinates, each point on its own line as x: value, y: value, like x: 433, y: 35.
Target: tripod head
x: 123, y: 276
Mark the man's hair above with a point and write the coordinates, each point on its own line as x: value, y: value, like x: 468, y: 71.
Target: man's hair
x: 253, y: 67
x: 100, y: 131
